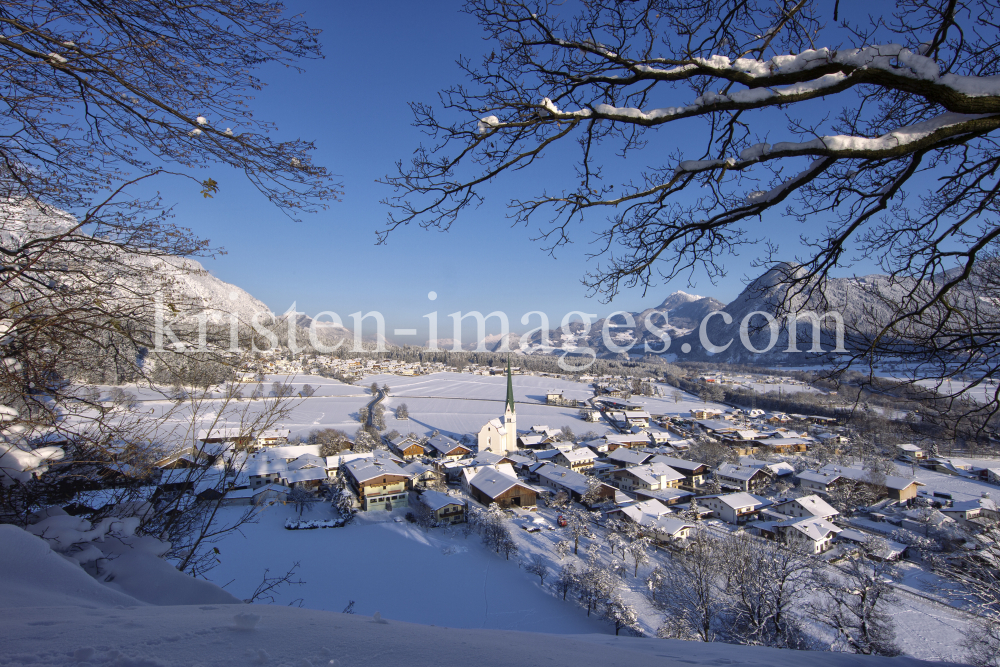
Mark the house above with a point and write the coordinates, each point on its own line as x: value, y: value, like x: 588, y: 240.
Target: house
x: 781, y: 469
x: 407, y: 447
x: 832, y: 439
x: 922, y: 520
x: 286, y: 452
x: 559, y: 478
x: 423, y: 476
x: 817, y: 482
x: 638, y: 418
x: 784, y: 445
x: 446, y: 509
x: 665, y: 528
x: 492, y: 486
x: 977, y: 508
x: 897, y: 488
x: 441, y: 446
x: 705, y: 413
x: 626, y: 458
x: 469, y: 472
x: 806, y: 506
x: 310, y: 477
x: 811, y: 534
x: 258, y: 496
x: 694, y: 472
x: 735, y: 508
x: 886, y: 549
x: 272, y: 437
x: 910, y: 452
x: 742, y: 478
x: 578, y: 460
x: 307, y: 461
x: 635, y: 511
x: 378, y: 483
x: 650, y: 477
x: 630, y: 440
x: 238, y: 436
x: 534, y: 440
x: 264, y: 472
x: 668, y: 496
x: 655, y: 520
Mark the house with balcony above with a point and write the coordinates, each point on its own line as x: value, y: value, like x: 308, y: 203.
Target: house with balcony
x: 445, y: 509
x: 735, y: 508
x: 649, y: 477
x: 577, y: 460
x: 379, y: 483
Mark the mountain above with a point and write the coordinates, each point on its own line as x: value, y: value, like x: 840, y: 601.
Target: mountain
x: 863, y: 303
x: 205, y: 293
x: 677, y: 315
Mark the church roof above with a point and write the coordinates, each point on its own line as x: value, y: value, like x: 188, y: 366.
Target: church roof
x: 510, y: 389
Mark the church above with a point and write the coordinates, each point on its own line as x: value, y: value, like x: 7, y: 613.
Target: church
x: 500, y: 437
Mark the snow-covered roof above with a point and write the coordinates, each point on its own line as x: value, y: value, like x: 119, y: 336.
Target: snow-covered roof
x: 741, y: 500
x: 651, y: 508
x: 486, y: 458
x: 444, y: 444
x: 667, y: 524
x: 274, y: 433
x: 416, y: 468
x: 304, y: 475
x: 492, y: 482
x: 498, y: 425
x: 365, y: 469
x: 668, y: 495
x: 680, y: 465
x: 818, y: 477
x: 654, y: 473
x: 813, y: 527
x: 733, y: 471
x: 337, y: 460
x: 562, y: 476
x: 628, y: 457
x: 974, y: 504
x: 287, y: 451
x: 224, y: 433
x: 580, y: 454
x: 265, y: 467
x: 812, y: 504
x: 307, y: 460
x: 435, y: 500
x: 891, y: 481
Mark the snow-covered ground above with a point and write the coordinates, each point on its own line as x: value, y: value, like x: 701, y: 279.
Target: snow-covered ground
x: 452, y: 403
x: 217, y: 636
x: 438, y: 577
x: 56, y: 614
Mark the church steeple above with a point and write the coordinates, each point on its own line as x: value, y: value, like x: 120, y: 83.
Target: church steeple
x: 510, y: 389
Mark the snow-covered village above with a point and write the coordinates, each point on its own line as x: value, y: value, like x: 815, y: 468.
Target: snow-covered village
x: 497, y: 332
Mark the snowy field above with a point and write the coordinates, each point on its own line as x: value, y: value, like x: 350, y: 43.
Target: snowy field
x: 218, y: 636
x: 435, y: 577
x: 438, y: 577
x: 453, y: 403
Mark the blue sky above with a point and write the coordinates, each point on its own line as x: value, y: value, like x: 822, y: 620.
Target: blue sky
x: 353, y: 104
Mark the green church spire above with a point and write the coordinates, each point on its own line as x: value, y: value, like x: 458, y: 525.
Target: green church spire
x: 510, y: 389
